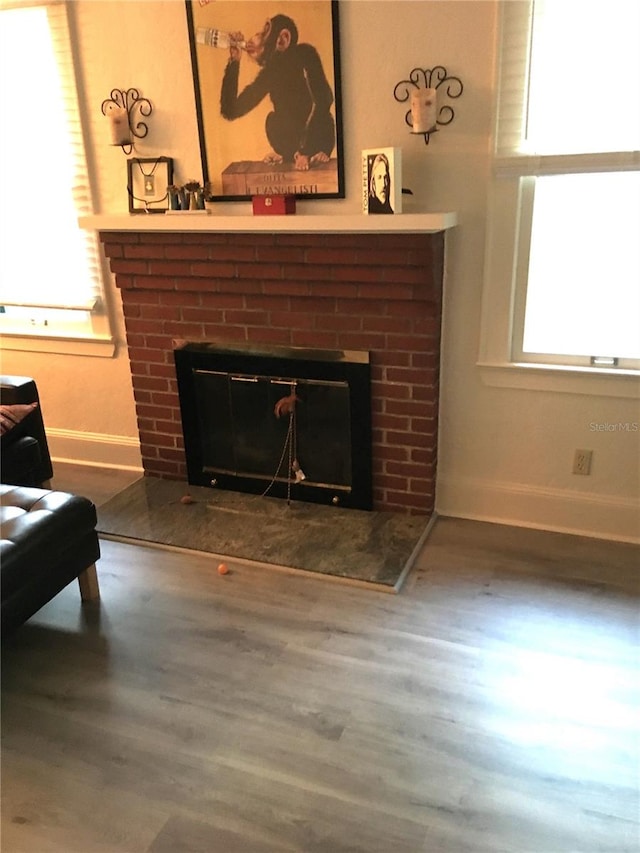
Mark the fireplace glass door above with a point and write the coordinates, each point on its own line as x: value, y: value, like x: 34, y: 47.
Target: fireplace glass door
x: 241, y: 434
x: 271, y: 432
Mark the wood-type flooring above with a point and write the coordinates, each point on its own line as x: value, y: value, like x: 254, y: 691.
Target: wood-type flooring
x: 490, y: 707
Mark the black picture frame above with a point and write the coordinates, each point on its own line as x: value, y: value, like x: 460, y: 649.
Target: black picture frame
x: 233, y: 149
x: 148, y: 180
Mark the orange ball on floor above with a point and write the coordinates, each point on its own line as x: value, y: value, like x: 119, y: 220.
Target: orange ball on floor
x: 223, y: 569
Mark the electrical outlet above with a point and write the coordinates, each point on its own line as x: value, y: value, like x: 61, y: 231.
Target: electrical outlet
x: 582, y: 461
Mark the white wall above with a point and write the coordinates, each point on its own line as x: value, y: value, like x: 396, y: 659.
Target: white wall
x: 505, y: 453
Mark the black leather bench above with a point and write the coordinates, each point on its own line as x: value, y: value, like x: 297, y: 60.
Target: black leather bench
x: 47, y: 539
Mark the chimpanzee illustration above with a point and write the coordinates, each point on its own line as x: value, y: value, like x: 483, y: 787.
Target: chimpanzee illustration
x: 300, y: 128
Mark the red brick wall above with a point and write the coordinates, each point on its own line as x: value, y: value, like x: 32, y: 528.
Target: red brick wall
x: 375, y: 292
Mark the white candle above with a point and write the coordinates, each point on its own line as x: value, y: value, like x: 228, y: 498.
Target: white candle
x: 424, y: 110
x: 119, y: 131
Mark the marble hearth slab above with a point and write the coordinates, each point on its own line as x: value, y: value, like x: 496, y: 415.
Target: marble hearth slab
x: 364, y: 547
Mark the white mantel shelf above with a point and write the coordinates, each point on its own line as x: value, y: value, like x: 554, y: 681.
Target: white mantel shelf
x: 402, y: 223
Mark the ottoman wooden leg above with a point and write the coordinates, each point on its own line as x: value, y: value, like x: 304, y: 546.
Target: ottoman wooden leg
x: 89, y: 588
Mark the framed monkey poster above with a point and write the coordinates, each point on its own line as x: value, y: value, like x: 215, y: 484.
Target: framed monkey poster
x: 267, y: 89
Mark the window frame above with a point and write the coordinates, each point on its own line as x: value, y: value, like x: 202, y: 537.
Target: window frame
x: 509, y: 219
x: 93, y: 334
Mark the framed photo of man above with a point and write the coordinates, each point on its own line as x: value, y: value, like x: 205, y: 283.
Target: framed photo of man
x: 267, y: 89
x: 382, y: 180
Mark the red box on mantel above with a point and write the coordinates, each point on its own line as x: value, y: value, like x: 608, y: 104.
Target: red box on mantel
x: 269, y: 205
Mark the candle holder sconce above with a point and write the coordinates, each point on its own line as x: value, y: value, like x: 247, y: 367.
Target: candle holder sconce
x: 422, y: 81
x: 123, y: 108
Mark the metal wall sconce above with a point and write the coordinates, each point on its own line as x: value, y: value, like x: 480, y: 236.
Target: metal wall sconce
x: 423, y: 89
x: 122, y: 108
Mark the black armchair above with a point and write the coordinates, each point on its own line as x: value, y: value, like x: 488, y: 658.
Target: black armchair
x: 24, y: 452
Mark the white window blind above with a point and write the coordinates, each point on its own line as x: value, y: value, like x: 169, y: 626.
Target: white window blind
x: 569, y: 76
x: 46, y: 260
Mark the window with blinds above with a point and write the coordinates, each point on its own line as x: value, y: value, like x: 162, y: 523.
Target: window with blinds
x: 50, y: 269
x: 565, y: 207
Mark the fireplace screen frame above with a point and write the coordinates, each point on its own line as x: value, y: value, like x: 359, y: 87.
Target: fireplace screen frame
x: 281, y: 366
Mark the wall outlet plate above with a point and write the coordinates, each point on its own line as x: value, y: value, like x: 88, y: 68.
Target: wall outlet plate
x: 582, y: 461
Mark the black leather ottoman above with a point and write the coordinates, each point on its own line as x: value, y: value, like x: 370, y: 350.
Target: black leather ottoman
x: 47, y: 539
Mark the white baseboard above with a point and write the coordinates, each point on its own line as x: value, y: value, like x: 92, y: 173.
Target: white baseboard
x: 583, y: 514
x: 98, y: 449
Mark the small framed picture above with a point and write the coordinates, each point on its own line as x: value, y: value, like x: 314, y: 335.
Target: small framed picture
x: 148, y: 180
x: 382, y: 180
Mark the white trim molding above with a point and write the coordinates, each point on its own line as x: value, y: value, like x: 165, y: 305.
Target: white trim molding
x: 92, y: 448
x: 560, y: 510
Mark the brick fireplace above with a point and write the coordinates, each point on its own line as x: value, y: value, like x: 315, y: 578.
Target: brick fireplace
x: 380, y: 292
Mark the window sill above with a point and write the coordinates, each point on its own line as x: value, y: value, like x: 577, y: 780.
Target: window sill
x: 594, y: 381
x: 98, y: 347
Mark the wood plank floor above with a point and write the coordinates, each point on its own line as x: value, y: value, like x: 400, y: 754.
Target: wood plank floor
x: 491, y: 706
